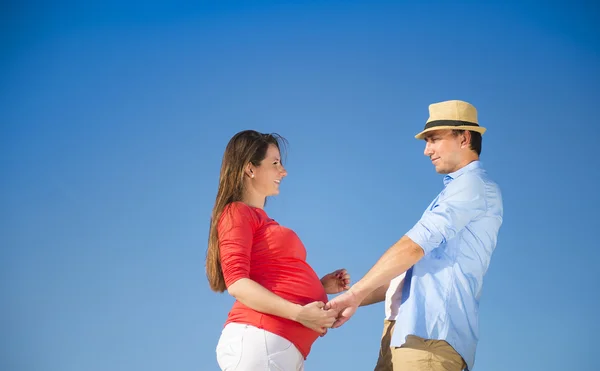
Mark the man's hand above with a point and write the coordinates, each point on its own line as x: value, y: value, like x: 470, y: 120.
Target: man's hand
x: 336, y: 282
x: 346, y: 305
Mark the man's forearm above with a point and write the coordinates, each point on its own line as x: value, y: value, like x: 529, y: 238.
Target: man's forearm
x: 395, y: 261
x: 375, y: 296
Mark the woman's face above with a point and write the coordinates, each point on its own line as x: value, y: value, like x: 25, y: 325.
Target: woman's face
x: 270, y: 172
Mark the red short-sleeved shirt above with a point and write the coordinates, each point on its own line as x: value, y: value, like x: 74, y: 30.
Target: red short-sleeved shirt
x: 254, y: 246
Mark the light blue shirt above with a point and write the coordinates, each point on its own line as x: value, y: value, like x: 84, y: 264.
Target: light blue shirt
x: 458, y: 233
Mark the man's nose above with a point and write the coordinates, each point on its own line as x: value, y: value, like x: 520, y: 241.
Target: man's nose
x: 428, y: 151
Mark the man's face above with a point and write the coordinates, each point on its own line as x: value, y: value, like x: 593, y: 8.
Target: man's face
x: 445, y: 150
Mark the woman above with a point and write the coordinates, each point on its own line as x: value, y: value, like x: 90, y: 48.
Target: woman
x: 278, y: 313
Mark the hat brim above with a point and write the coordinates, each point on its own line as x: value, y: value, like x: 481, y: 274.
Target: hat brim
x: 479, y: 129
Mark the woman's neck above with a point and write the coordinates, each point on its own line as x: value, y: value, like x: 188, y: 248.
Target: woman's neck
x: 253, y: 199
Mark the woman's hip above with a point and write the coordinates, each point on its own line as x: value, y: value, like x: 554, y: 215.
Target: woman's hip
x: 244, y: 347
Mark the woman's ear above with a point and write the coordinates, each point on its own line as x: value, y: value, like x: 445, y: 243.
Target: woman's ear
x: 249, y: 170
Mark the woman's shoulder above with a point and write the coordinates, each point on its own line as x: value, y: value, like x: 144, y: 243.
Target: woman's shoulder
x: 237, y: 206
x: 238, y: 209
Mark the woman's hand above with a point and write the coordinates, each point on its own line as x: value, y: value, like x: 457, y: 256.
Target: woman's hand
x: 315, y: 317
x: 255, y: 296
x: 336, y: 282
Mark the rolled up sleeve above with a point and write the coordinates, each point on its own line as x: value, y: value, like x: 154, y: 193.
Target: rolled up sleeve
x: 236, y: 232
x: 462, y: 202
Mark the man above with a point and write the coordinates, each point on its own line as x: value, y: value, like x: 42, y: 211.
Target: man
x: 436, y: 270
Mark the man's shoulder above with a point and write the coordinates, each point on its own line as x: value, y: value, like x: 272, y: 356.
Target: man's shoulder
x: 476, y: 181
x: 478, y: 177
x: 480, y: 181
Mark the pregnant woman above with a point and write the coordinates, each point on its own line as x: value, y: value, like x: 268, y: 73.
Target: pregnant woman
x: 278, y: 313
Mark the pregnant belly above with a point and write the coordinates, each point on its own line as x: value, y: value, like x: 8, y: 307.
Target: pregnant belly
x: 297, y: 283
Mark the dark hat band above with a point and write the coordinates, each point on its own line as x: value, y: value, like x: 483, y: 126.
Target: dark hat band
x: 435, y: 123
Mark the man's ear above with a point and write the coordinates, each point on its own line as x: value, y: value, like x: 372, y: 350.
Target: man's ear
x: 465, y: 142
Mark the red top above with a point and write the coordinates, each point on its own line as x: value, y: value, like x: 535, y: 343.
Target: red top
x: 256, y: 247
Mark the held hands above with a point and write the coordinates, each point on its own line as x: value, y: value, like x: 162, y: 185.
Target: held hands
x: 345, y: 305
x: 336, y: 282
x: 319, y: 316
x: 315, y: 317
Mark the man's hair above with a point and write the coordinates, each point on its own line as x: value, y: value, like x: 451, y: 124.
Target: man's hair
x: 475, y: 140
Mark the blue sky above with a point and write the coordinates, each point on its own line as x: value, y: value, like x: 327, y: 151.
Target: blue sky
x: 114, y: 117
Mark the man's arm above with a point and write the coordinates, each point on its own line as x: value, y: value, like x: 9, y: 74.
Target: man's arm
x: 463, y: 202
x: 395, y: 261
x: 375, y: 296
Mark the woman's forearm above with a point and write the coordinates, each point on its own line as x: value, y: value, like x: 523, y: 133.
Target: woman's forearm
x: 255, y: 296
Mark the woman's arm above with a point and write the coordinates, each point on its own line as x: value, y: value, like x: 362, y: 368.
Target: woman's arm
x: 236, y: 233
x: 253, y: 295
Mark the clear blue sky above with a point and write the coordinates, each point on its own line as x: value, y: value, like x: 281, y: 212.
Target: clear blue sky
x: 114, y: 117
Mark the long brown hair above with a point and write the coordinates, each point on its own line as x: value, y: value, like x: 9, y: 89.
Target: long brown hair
x: 245, y: 147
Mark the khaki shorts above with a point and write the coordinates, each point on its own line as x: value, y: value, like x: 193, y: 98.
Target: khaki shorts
x: 384, y: 362
x: 416, y: 354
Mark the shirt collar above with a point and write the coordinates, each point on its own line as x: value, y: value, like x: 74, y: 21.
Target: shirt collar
x: 471, y: 166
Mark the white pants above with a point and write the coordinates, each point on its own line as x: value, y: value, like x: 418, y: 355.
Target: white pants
x: 247, y: 348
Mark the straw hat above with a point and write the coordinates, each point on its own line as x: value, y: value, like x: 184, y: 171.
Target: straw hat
x: 451, y: 114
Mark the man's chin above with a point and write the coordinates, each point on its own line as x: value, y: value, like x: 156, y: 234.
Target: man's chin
x: 441, y: 171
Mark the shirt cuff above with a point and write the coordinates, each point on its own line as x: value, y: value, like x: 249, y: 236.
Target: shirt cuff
x: 230, y: 280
